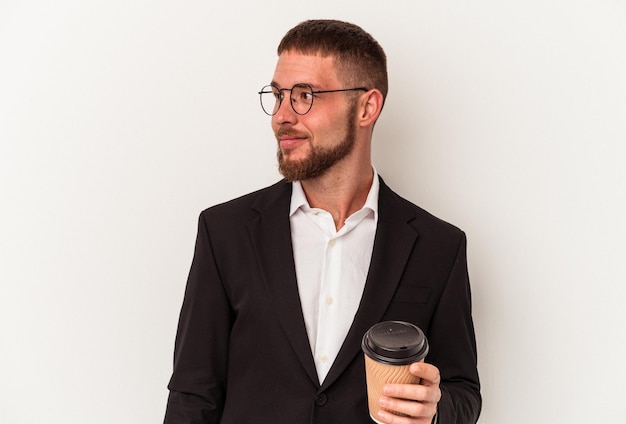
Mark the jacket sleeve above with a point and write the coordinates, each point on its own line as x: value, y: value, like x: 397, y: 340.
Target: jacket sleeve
x: 198, y: 382
x: 452, y: 335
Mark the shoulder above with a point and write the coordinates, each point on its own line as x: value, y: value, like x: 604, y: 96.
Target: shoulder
x: 250, y: 205
x: 394, y: 206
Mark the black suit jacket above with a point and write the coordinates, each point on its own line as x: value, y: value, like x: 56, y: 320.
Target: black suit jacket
x: 242, y: 354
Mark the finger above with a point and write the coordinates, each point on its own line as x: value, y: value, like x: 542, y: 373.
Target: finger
x: 428, y: 373
x: 409, y: 408
x: 413, y: 392
x: 389, y: 418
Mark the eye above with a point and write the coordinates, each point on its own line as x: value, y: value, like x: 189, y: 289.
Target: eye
x: 305, y: 96
x: 278, y: 95
x: 302, y: 93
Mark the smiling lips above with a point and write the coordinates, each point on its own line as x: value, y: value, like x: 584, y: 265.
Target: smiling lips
x: 288, y: 139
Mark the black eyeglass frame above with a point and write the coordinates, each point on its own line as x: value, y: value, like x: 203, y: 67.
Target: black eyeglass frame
x: 281, y: 90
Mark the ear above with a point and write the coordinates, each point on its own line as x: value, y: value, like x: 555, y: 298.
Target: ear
x: 370, y: 106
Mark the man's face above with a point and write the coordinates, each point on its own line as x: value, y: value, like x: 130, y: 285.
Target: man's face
x: 310, y: 144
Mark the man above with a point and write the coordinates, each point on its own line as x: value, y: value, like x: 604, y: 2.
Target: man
x: 286, y: 280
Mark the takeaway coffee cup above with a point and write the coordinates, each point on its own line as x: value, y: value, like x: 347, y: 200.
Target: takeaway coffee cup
x: 390, y: 347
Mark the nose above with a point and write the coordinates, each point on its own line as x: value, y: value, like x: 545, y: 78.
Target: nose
x: 285, y: 113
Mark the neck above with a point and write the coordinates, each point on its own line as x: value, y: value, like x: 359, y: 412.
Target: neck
x: 339, y: 191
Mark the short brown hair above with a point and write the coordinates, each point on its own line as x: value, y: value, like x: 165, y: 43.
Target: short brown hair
x: 360, y: 60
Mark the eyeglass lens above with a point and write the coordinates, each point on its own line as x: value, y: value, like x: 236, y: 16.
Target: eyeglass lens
x: 300, y: 95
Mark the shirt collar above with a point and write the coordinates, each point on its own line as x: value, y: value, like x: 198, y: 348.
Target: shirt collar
x: 299, y: 200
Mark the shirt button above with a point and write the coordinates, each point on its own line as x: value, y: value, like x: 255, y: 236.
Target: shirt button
x: 329, y: 300
x: 324, y: 358
x: 332, y: 242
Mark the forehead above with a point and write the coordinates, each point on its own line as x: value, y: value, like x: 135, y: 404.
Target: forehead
x: 315, y: 70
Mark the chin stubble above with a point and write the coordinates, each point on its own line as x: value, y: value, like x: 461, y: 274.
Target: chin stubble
x: 320, y: 159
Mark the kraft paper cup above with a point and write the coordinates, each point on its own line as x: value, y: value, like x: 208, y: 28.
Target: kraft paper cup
x: 390, y: 347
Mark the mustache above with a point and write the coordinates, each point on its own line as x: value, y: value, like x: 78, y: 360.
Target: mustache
x: 290, y: 132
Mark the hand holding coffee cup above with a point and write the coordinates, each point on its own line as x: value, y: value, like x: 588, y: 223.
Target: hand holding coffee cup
x: 390, y: 348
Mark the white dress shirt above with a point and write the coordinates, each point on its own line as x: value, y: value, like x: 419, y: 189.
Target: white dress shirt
x: 331, y: 268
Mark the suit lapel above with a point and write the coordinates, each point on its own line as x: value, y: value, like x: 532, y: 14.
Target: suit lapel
x: 393, y: 243
x: 271, y: 237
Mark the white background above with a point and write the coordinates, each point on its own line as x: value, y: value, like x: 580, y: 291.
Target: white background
x: 121, y: 120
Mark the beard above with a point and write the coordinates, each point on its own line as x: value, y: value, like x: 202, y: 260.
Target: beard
x: 320, y: 159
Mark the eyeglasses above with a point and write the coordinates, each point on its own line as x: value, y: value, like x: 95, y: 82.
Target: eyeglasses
x: 300, y: 95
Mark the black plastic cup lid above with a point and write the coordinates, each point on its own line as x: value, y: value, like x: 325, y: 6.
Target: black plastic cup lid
x: 395, y: 343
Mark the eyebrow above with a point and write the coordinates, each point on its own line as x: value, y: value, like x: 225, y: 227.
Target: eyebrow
x: 313, y: 85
